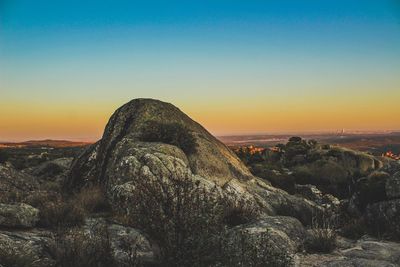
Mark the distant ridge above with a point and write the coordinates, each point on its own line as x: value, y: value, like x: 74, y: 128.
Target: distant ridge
x: 44, y: 143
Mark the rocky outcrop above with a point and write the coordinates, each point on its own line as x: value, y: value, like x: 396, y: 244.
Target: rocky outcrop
x: 121, y: 157
x: 312, y: 193
x: 50, y: 170
x: 212, y: 159
x: 18, y: 215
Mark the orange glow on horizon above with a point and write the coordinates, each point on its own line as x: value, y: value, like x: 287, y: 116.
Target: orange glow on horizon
x: 27, y: 121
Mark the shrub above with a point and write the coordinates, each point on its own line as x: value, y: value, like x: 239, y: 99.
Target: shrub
x: 60, y: 211
x: 60, y: 214
x: 91, y: 199
x: 240, y: 211
x: 170, y: 133
x: 188, y: 222
x: 322, y: 236
x: 78, y: 248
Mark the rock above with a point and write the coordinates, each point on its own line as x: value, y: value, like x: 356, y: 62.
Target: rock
x: 51, y: 169
x: 287, y: 233
x: 121, y: 157
x: 25, y: 248
x: 384, y: 217
x: 125, y: 242
x: 312, y: 193
x: 18, y: 215
x: 365, y: 252
x: 14, y: 184
x: 372, y: 249
x: 392, y: 186
x: 212, y: 159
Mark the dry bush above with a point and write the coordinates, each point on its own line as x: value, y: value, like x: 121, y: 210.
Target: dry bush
x: 61, y: 211
x: 322, y: 236
x: 187, y: 221
x: 80, y: 248
x: 91, y: 199
x: 61, y: 214
x: 239, y: 211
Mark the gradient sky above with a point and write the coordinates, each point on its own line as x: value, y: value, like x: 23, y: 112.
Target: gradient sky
x: 234, y: 66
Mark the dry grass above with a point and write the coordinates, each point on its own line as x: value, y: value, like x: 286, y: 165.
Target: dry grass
x: 322, y: 236
x: 78, y: 248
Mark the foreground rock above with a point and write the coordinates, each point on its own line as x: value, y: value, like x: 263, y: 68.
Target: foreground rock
x: 367, y: 252
x: 18, y: 215
x: 26, y: 248
x: 126, y: 242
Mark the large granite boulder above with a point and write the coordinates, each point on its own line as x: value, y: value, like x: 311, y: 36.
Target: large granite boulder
x: 124, y: 156
x: 18, y: 215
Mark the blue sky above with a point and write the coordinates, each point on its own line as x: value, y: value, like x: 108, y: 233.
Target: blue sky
x: 280, y: 58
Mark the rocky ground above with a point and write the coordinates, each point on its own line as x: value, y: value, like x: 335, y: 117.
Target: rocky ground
x: 159, y: 190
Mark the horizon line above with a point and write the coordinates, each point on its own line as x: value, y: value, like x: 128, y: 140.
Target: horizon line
x: 323, y: 132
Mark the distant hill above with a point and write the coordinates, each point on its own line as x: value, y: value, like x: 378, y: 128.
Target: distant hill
x: 44, y: 143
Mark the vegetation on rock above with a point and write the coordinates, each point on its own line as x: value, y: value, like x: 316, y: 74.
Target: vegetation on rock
x: 169, y: 133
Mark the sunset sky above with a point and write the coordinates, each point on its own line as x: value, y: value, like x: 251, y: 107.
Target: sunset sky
x: 234, y: 66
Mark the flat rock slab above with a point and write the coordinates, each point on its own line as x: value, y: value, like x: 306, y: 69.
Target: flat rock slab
x: 366, y: 252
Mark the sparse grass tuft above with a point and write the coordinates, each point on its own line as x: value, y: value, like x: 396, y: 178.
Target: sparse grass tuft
x: 322, y: 236
x: 80, y: 248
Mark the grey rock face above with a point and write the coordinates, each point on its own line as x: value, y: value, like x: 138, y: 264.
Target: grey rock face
x: 126, y: 242
x: 18, y: 215
x: 385, y: 216
x: 15, y: 184
x: 311, y: 192
x: 392, y: 186
x: 27, y: 248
